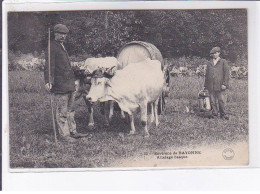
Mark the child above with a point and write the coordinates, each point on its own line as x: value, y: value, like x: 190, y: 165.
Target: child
x: 216, y: 82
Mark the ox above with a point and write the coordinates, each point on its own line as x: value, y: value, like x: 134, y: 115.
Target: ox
x: 135, y: 86
x: 83, y: 75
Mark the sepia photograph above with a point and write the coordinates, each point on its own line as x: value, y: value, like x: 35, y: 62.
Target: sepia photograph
x: 108, y: 89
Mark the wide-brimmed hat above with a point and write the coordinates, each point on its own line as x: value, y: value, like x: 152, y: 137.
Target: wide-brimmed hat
x: 214, y: 50
x: 60, y: 28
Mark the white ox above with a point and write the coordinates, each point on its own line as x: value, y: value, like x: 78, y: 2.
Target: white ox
x: 133, y: 87
x: 83, y: 84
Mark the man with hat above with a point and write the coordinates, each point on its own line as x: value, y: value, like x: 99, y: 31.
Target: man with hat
x: 217, y: 81
x: 61, y: 84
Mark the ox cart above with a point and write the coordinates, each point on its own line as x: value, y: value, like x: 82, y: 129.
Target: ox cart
x: 137, y: 51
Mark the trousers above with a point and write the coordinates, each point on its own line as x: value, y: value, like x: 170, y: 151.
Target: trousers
x: 65, y: 112
x: 218, y: 100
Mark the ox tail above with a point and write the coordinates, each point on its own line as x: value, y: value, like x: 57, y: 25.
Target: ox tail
x: 161, y: 104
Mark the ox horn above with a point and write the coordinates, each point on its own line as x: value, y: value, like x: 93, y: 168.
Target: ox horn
x: 112, y: 71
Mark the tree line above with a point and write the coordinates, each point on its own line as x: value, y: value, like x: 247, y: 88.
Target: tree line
x: 175, y: 33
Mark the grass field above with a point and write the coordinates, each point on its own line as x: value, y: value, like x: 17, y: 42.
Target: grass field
x: 32, y: 141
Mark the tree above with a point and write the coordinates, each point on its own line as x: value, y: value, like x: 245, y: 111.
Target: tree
x: 175, y: 32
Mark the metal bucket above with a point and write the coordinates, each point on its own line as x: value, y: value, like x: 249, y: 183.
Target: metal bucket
x: 204, y: 101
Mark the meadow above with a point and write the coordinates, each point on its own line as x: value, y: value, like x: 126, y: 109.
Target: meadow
x: 32, y: 141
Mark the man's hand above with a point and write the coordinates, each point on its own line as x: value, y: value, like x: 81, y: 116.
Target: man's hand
x: 77, y: 85
x: 48, y: 87
x: 223, y: 87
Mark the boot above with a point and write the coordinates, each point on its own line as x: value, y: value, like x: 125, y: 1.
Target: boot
x: 77, y: 135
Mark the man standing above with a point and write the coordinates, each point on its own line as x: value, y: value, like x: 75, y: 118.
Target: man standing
x: 62, y: 84
x: 217, y: 81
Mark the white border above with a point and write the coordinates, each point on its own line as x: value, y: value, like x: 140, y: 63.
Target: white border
x: 46, y: 5
x: 13, y: 180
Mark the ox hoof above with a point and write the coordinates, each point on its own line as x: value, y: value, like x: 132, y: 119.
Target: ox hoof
x: 131, y: 133
x: 91, y: 126
x: 106, y: 124
x: 146, y: 136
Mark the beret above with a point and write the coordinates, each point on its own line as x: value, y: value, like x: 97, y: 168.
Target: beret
x: 61, y: 28
x: 214, y: 50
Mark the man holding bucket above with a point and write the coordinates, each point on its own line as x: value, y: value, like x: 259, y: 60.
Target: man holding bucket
x: 217, y: 81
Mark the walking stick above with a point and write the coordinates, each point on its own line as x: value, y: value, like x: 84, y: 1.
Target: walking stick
x: 49, y: 63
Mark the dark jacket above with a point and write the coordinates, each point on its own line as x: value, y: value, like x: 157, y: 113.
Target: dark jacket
x: 217, y: 75
x: 61, y: 74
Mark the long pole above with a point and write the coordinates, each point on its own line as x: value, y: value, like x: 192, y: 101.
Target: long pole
x: 49, y: 63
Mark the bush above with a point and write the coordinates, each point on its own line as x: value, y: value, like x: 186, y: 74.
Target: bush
x: 241, y: 61
x: 189, y: 66
x: 19, y: 61
x: 185, y: 66
x: 80, y: 57
x: 189, y: 62
x: 36, y: 61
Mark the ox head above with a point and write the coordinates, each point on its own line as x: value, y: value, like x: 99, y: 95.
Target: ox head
x: 82, y: 75
x: 100, y: 82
